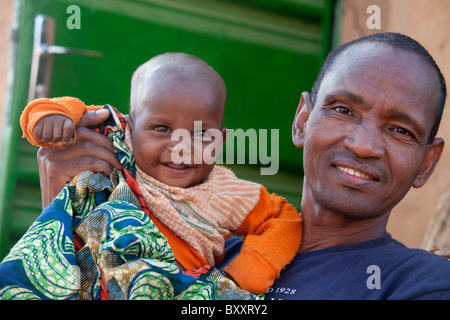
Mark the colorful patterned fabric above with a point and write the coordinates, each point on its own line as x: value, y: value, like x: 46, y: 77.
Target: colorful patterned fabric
x: 95, y: 241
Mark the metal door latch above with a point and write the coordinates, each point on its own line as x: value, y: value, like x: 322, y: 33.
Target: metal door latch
x: 42, y: 61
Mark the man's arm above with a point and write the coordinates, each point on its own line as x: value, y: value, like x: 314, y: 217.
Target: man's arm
x: 91, y: 151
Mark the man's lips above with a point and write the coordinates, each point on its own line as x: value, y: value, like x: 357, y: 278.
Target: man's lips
x: 354, y: 172
x: 357, y: 171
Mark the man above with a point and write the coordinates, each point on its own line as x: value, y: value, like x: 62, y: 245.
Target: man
x: 368, y: 135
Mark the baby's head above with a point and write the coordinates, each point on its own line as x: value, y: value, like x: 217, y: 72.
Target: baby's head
x: 170, y: 92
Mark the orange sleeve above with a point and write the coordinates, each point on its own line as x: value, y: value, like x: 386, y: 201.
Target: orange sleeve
x: 72, y: 108
x: 273, y: 233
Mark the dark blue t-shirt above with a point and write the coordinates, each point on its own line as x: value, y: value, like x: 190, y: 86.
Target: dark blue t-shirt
x: 382, y: 268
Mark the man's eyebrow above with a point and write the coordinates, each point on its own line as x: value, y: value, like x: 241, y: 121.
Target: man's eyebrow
x: 345, y: 95
x: 406, y: 118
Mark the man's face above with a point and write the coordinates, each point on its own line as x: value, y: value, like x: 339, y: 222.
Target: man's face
x: 366, y: 137
x: 168, y: 105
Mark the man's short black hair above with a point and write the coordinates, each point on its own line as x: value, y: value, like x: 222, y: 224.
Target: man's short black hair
x: 398, y: 41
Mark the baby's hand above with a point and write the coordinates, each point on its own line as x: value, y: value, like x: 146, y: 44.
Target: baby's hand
x: 55, y: 128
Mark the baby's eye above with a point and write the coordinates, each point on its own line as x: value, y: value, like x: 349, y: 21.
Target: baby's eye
x: 202, y: 133
x: 161, y: 128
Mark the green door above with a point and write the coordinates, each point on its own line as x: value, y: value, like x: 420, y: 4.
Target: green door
x: 268, y: 52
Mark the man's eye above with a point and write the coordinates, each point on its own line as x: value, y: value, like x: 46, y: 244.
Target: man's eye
x: 161, y: 128
x: 343, y: 110
x: 401, y: 130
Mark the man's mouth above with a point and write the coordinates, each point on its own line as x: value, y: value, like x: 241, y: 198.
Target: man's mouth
x: 355, y: 173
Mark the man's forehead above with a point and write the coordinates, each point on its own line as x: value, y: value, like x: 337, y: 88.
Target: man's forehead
x: 381, y: 56
x: 376, y: 64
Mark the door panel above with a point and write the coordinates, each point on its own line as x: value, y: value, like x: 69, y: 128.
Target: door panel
x: 268, y: 52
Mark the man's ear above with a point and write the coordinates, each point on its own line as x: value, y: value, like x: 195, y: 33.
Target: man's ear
x: 432, y: 156
x: 301, y: 116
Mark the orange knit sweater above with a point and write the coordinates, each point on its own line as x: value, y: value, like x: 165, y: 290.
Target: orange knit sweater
x: 272, y: 229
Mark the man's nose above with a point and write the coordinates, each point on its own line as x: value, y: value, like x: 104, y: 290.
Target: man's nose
x: 365, y: 142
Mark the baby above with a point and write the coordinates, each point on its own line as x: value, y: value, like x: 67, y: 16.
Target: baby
x: 198, y: 204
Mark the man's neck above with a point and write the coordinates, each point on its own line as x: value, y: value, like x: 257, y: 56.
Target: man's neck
x: 323, y: 229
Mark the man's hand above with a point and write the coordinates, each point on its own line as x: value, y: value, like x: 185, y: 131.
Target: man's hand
x: 91, y: 151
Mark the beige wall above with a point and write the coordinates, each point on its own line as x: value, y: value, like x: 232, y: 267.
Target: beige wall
x: 427, y: 21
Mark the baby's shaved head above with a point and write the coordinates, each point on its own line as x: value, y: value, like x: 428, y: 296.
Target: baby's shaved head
x: 175, y: 66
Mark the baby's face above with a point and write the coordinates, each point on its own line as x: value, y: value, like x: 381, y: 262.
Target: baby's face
x: 165, y: 107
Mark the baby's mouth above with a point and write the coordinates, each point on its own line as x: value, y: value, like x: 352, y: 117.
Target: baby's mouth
x: 178, y: 168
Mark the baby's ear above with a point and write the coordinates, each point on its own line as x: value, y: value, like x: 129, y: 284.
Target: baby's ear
x: 129, y: 122
x: 301, y: 117
x: 224, y: 134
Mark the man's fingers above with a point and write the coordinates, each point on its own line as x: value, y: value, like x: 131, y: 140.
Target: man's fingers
x: 95, y: 145
x: 73, y: 166
x: 87, y: 135
x: 58, y: 166
x: 81, y: 157
x: 93, y: 118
